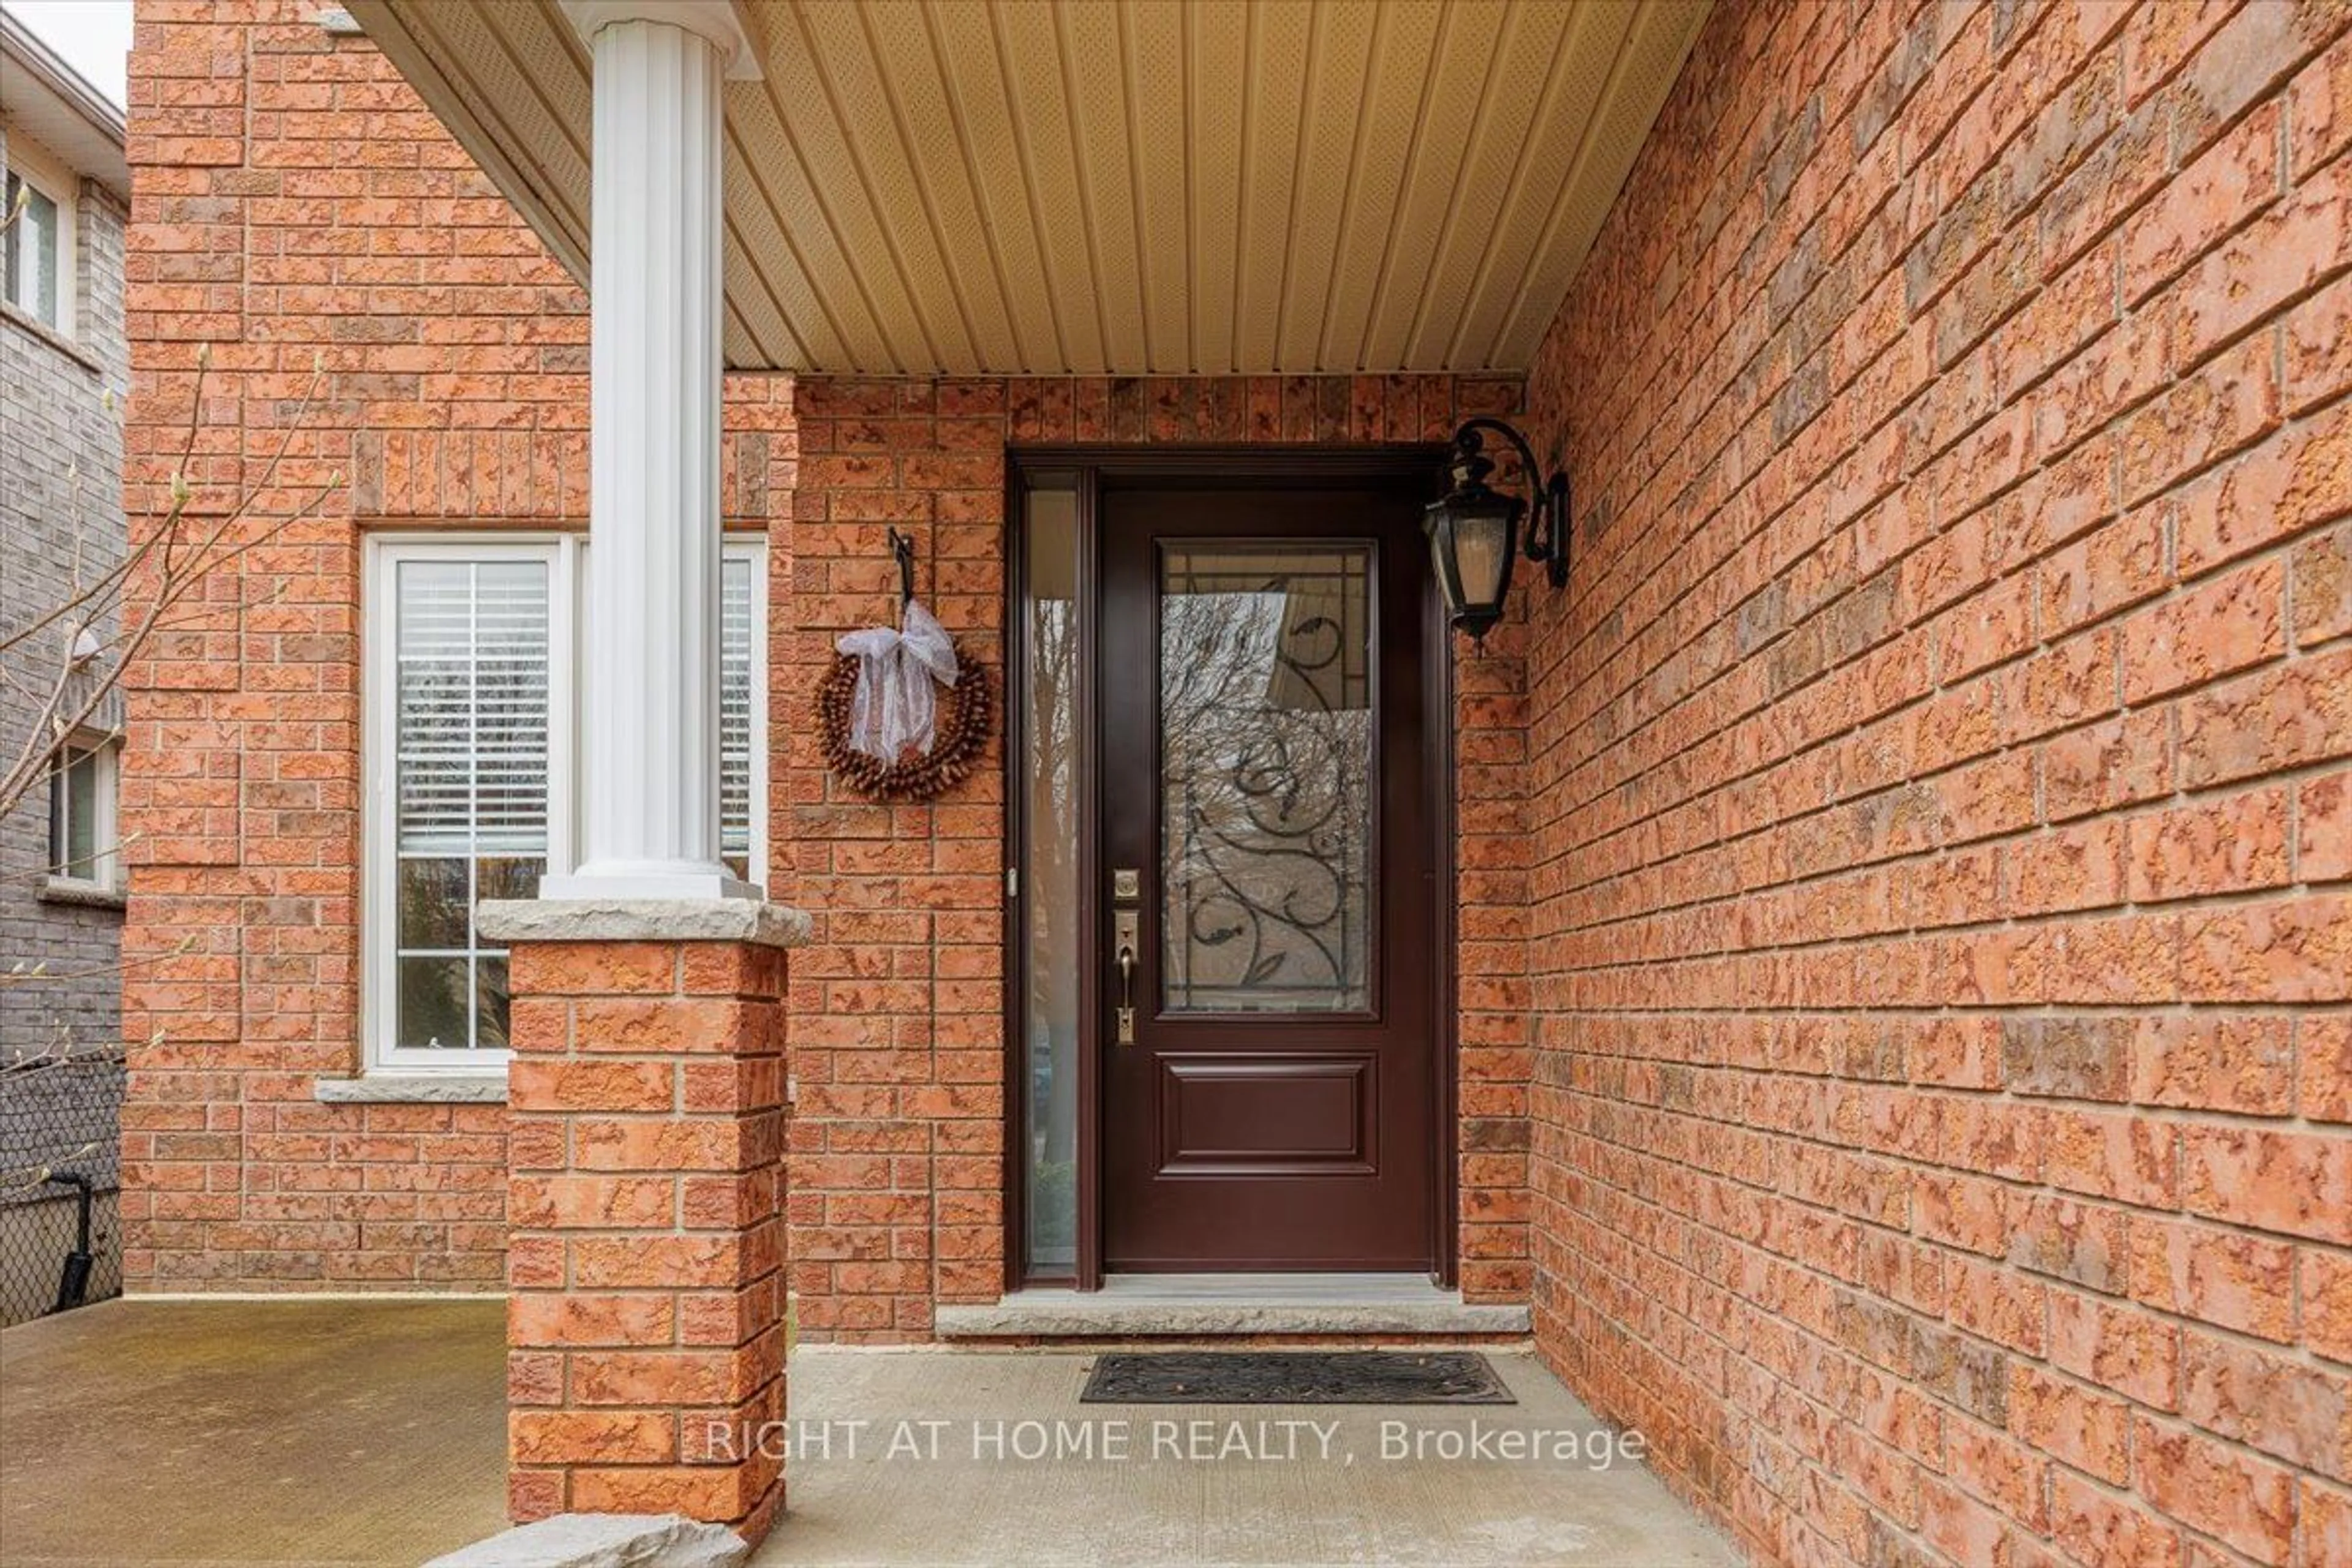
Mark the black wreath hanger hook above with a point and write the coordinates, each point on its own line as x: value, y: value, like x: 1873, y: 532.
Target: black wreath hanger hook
x: 902, y: 549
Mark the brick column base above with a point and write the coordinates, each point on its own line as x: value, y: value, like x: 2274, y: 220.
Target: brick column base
x: 644, y: 1257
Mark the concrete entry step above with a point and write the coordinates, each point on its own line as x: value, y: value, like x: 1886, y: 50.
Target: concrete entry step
x: 1214, y: 1304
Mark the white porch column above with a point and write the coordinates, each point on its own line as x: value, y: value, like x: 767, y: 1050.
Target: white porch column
x: 650, y: 713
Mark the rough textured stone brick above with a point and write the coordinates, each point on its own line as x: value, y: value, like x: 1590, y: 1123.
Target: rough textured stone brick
x: 619, y: 1368
x: 2102, y: 458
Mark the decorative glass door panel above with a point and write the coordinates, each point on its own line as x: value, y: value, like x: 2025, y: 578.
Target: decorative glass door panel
x: 1267, y: 778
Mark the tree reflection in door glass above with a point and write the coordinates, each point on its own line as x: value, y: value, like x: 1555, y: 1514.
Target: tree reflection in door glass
x: 1265, y: 763
x: 1049, y: 874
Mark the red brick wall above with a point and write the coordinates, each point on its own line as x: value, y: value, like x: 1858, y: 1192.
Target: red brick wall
x: 1939, y: 768
x: 897, y: 1141
x: 293, y: 201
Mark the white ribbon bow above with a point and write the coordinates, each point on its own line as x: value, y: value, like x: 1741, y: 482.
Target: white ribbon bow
x: 895, y: 703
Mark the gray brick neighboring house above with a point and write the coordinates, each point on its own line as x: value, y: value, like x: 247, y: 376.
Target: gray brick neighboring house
x: 62, y: 351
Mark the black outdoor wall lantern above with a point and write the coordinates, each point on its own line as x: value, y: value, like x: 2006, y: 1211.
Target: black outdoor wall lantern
x: 1474, y: 532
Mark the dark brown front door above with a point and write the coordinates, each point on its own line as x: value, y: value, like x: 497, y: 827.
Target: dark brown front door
x: 1267, y: 866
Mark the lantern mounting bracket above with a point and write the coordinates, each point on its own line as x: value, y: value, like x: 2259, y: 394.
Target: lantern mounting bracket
x: 1475, y: 531
x: 1547, y: 538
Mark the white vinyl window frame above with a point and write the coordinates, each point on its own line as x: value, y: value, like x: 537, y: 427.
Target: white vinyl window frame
x: 56, y: 184
x: 100, y: 869
x: 566, y: 556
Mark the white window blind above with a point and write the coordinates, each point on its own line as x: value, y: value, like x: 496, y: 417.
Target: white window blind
x: 473, y: 707
x: 738, y: 624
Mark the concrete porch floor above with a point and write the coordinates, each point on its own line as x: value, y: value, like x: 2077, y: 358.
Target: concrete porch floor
x: 1346, y: 1505
x: 143, y: 1433
x: 146, y: 1434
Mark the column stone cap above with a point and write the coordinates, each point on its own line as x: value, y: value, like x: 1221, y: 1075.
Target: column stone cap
x: 749, y: 920
x: 717, y: 20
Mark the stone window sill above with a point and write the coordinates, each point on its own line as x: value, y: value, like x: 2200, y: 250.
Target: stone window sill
x: 90, y: 894
x: 413, y: 1088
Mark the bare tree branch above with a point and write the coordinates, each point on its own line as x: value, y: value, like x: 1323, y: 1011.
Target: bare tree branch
x: 176, y: 559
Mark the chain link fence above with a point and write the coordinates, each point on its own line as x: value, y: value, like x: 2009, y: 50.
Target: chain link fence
x: 60, y: 1117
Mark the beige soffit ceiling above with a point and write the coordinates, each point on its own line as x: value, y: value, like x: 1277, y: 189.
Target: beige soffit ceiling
x: 1127, y: 186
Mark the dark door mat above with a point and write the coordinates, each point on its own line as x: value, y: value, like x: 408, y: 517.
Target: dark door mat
x: 1295, y: 1377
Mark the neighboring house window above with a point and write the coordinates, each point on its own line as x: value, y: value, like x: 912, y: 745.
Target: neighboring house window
x: 38, y: 250
x: 472, y: 735
x: 82, y: 848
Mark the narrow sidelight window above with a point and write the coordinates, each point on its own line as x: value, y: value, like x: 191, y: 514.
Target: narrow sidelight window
x: 1048, y: 876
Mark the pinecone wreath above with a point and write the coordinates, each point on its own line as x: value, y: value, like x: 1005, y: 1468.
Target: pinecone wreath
x: 959, y: 738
